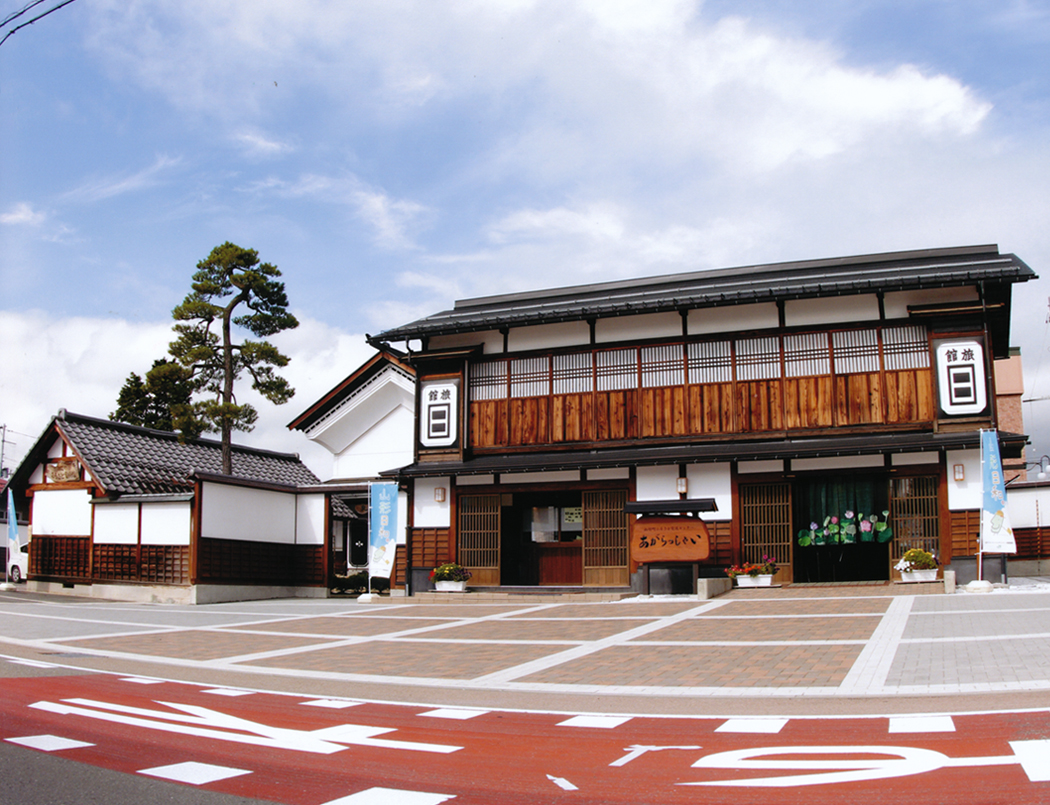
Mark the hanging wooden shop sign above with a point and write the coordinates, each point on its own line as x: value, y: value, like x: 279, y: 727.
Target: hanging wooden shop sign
x: 659, y: 538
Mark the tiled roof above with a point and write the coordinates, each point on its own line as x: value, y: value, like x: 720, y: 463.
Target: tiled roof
x: 129, y: 460
x: 896, y: 271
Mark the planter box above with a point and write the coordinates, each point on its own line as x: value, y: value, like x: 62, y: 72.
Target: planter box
x: 919, y: 575
x: 450, y: 586
x: 761, y: 580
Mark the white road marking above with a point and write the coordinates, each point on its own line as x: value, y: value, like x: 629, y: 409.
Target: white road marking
x: 333, y: 704
x: 456, y: 714
x: 33, y: 663
x: 48, y: 743
x: 194, y: 773
x: 922, y: 724
x: 562, y: 783
x: 599, y: 722
x: 866, y: 763
x: 205, y: 723
x: 638, y: 750
x: 138, y: 680
x: 228, y: 692
x: 391, y: 796
x: 759, y: 726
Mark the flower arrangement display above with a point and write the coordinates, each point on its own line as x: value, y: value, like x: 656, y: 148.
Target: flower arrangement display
x: 767, y: 567
x: 450, y: 571
x: 916, y: 559
x: 847, y: 530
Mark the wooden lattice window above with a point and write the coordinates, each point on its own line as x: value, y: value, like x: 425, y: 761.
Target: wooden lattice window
x: 479, y: 531
x: 488, y: 381
x: 617, y: 370
x: 529, y: 377
x: 856, y: 351
x: 574, y: 373
x: 806, y: 354
x: 710, y: 362
x: 758, y: 358
x: 663, y: 366
x: 914, y: 515
x: 765, y: 524
x: 606, y: 530
x: 906, y: 347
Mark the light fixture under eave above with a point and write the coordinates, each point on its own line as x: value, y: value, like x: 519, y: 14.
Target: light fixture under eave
x: 959, y: 472
x: 439, y: 494
x: 682, y: 486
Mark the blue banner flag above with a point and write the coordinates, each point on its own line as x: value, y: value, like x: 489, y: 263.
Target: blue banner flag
x: 996, y: 534
x: 13, y: 548
x: 382, y: 528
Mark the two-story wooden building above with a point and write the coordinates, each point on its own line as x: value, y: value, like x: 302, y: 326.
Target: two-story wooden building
x: 769, y: 398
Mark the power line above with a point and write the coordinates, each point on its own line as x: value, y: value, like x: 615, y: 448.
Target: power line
x: 18, y: 14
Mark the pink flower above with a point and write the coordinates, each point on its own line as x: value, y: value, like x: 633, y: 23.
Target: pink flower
x: 865, y: 525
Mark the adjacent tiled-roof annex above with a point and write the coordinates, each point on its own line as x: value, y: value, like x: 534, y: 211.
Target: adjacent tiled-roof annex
x: 129, y: 460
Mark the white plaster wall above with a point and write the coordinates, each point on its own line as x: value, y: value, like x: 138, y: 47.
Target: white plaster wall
x: 166, y: 523
x: 56, y: 449
x: 385, y: 446
x: 712, y: 481
x: 62, y: 512
x: 37, y: 475
x: 309, y: 519
x: 116, y: 524
x: 253, y: 515
x: 559, y: 477
x: 609, y: 474
x: 1028, y: 506
x: 914, y: 459
x: 631, y: 328
x: 656, y: 483
x: 896, y: 303
x: 969, y: 493
x: 733, y: 318
x: 807, y: 312
x: 426, y: 512
x: 549, y: 336
x: 402, y: 518
x: 475, y: 480
x: 492, y: 339
x: 766, y: 465
x: 836, y: 462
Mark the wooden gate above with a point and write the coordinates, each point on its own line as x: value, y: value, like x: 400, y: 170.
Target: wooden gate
x: 479, y: 537
x: 606, y: 530
x: 765, y: 525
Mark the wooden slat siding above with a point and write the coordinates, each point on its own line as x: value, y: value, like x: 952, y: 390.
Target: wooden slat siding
x: 430, y: 547
x: 606, y: 532
x: 1032, y: 543
x: 116, y: 562
x: 721, y: 534
x: 966, y: 529
x: 60, y: 557
x: 730, y: 387
x: 479, y: 537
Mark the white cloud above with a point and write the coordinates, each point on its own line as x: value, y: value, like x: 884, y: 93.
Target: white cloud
x: 22, y: 214
x: 259, y: 146
x: 109, y: 186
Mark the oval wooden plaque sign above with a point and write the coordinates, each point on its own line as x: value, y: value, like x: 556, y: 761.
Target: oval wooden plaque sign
x: 657, y: 538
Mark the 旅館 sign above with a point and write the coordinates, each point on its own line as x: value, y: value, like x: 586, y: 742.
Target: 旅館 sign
x: 663, y: 538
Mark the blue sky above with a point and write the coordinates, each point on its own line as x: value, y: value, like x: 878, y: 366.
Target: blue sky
x: 393, y: 156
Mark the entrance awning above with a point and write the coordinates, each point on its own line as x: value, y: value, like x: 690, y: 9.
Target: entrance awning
x: 694, y: 505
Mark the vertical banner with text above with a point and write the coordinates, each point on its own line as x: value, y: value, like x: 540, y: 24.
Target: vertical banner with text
x: 996, y: 534
x: 382, y: 528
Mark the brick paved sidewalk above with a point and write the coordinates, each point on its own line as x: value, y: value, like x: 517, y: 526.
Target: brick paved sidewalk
x: 793, y: 642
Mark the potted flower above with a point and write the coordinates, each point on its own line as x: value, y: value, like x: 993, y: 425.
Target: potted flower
x: 450, y: 577
x: 754, y: 574
x: 917, y: 565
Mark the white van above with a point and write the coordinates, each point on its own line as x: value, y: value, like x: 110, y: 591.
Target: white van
x: 17, y: 563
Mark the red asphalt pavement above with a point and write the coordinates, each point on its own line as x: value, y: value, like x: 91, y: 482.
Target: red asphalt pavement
x: 310, y: 751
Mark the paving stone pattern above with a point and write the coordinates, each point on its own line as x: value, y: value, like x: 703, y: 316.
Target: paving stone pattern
x: 833, y: 641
